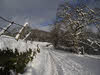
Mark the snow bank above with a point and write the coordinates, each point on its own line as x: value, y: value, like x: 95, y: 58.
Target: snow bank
x: 10, y: 42
x: 93, y: 56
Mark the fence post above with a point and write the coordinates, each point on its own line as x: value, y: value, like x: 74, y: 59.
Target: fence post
x: 5, y: 29
x: 21, y: 30
x: 27, y: 36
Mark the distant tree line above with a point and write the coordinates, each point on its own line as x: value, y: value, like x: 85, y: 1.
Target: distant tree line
x: 39, y: 35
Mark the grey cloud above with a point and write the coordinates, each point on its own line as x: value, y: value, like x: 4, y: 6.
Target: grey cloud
x: 37, y: 11
x: 28, y: 6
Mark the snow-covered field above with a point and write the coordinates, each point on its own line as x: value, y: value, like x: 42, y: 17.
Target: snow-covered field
x: 54, y: 62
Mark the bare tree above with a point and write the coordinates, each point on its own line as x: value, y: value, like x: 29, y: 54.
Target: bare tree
x: 72, y: 24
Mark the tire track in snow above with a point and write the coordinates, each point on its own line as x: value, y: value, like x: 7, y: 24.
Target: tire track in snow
x: 53, y: 68
x: 50, y: 68
x: 52, y: 62
x: 69, y: 66
x: 58, y: 66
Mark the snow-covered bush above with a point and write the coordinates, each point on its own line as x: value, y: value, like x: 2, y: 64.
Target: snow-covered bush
x: 15, y: 55
x: 15, y: 61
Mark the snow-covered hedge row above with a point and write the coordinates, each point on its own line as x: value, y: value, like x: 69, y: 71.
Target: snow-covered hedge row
x: 10, y: 42
x: 15, y: 55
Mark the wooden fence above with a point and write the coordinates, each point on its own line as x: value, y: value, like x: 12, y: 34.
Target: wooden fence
x: 5, y: 29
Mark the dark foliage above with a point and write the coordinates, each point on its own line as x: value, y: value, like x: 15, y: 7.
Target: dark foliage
x: 15, y: 61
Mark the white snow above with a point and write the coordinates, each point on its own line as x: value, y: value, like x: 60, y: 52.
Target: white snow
x: 10, y: 42
x: 93, y: 56
x: 53, y: 62
x: 56, y: 62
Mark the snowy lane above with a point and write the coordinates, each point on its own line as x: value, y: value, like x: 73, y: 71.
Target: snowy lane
x: 69, y: 66
x: 55, y: 62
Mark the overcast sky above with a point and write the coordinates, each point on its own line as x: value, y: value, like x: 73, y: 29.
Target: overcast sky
x: 38, y: 12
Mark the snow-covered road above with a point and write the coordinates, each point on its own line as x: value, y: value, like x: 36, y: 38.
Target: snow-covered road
x: 56, y: 62
x: 53, y: 62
